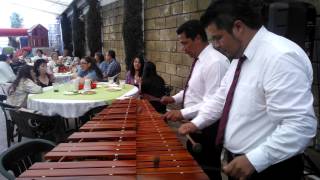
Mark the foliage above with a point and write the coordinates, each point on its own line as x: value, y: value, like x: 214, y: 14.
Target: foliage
x: 16, y: 20
x: 132, y: 29
x: 78, y: 33
x: 66, y: 32
x: 93, y: 29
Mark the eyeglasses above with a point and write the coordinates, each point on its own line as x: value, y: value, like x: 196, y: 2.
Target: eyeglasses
x: 83, y: 63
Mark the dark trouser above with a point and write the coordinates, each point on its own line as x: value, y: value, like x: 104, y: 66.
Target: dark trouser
x: 209, y: 157
x: 291, y: 168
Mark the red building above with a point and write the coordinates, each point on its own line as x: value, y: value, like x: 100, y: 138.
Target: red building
x: 38, y: 36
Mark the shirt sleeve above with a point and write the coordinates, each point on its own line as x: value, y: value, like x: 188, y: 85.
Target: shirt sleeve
x: 178, y: 97
x: 31, y: 87
x: 211, y: 77
x: 212, y: 106
x: 290, y: 107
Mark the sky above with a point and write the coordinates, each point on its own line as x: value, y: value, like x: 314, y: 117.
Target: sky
x: 30, y: 16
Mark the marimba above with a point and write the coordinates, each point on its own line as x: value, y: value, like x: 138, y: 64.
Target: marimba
x: 127, y: 140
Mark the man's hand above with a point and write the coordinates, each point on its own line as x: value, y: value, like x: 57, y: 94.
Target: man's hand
x: 173, y: 115
x: 240, y: 167
x: 167, y: 100
x: 187, y: 128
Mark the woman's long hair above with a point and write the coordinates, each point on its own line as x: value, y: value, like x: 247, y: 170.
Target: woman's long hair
x: 132, y: 70
x: 149, y: 70
x: 93, y: 66
x: 24, y: 72
x: 100, y: 56
x: 37, y: 64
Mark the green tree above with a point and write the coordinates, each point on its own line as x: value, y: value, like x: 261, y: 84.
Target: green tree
x: 16, y: 20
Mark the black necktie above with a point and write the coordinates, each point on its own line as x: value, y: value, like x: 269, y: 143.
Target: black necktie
x: 187, y: 83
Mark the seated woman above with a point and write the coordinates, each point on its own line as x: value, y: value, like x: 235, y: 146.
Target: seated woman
x: 43, y: 78
x: 22, y: 86
x: 60, y: 66
x: 53, y: 61
x: 153, y: 87
x: 134, y: 75
x: 99, y: 57
x: 89, y: 70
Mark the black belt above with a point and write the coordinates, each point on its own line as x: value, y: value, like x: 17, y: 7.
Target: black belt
x: 228, y: 156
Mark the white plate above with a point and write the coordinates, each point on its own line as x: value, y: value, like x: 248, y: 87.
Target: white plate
x: 88, y: 92
x: 114, y: 89
x: 70, y: 93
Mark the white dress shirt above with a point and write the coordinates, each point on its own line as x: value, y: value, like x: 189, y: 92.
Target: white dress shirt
x: 205, y: 80
x: 271, y: 118
x: 6, y: 73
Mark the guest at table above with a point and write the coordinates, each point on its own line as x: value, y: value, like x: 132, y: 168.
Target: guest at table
x: 60, y: 66
x: 6, y: 72
x: 153, y: 86
x: 39, y: 55
x: 22, y: 86
x: 75, y: 67
x: 135, y: 73
x: 89, y: 70
x: 113, y: 67
x: 99, y: 57
x: 43, y: 78
x: 53, y: 61
x: 66, y: 57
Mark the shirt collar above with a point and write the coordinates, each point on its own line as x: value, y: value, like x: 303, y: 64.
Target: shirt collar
x: 251, y: 48
x: 203, y: 52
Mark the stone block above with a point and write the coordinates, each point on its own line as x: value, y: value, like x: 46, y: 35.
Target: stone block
x: 176, y: 8
x: 171, y: 68
x: 160, y: 23
x: 160, y: 45
x: 183, y: 71
x: 165, y: 10
x: 176, y: 58
x: 168, y: 34
x: 171, y: 22
x: 152, y: 35
x: 190, y: 6
x: 165, y: 57
x: 150, y: 24
x: 195, y: 15
x: 176, y: 81
x: 171, y: 46
x: 186, y: 60
x: 155, y: 56
x: 150, y: 45
x: 161, y: 2
x: 182, y: 18
x: 161, y: 67
x: 154, y: 12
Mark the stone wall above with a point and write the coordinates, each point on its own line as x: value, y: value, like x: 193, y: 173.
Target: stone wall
x: 112, y: 19
x: 162, y: 17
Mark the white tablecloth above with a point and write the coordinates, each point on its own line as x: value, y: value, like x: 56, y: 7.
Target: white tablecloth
x: 70, y: 108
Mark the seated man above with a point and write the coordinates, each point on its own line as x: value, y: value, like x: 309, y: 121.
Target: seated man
x: 113, y: 67
x: 6, y: 72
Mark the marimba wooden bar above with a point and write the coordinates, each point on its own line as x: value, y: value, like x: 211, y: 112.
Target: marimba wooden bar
x: 127, y: 140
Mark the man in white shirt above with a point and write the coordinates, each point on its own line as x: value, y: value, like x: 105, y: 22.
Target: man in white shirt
x: 206, y: 73
x: 270, y: 120
x: 6, y: 72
